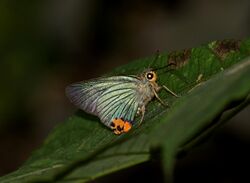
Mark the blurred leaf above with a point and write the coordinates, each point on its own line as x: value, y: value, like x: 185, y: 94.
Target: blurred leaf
x: 82, y: 149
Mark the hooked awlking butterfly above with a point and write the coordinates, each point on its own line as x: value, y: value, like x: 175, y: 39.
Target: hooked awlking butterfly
x: 116, y: 100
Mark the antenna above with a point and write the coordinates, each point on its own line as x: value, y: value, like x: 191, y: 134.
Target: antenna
x: 163, y: 67
x: 157, y: 55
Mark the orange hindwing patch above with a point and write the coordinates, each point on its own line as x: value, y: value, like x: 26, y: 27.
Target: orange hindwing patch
x: 120, y: 126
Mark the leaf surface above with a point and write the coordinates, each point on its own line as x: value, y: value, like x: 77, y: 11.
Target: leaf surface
x: 82, y: 149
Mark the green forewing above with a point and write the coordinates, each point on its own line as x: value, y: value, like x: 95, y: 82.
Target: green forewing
x: 107, y: 98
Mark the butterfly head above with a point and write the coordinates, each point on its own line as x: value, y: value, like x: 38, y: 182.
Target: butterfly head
x: 151, y: 76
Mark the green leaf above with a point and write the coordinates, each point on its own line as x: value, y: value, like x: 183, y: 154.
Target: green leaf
x: 211, y: 99
x: 82, y: 149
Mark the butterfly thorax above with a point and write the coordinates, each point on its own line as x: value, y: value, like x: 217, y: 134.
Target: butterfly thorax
x: 147, y: 87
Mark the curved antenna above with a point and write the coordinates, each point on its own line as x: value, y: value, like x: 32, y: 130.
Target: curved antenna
x: 163, y: 67
x: 157, y: 55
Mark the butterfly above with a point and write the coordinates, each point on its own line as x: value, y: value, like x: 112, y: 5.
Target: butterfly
x: 117, y: 100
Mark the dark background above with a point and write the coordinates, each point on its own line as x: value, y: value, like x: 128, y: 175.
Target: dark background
x: 45, y: 45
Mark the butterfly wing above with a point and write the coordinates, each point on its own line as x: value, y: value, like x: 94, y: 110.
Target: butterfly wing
x: 107, y: 98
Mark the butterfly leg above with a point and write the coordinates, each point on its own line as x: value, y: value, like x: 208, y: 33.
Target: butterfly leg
x: 158, y: 98
x: 168, y: 90
x: 142, y: 114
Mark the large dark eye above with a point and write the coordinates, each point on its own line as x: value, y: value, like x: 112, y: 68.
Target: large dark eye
x: 150, y: 76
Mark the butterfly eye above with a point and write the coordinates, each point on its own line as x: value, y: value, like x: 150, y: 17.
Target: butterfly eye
x: 151, y: 76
